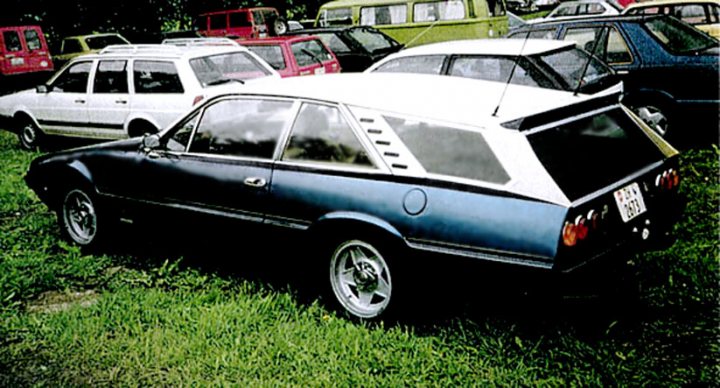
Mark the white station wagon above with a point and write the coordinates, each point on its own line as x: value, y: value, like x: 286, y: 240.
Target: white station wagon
x: 128, y: 90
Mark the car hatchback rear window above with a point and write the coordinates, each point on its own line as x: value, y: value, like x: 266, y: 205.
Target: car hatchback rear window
x: 585, y: 155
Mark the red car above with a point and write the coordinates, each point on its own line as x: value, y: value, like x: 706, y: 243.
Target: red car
x: 23, y: 52
x: 295, y: 55
x: 243, y: 23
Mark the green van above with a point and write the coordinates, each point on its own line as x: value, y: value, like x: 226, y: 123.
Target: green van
x: 417, y: 22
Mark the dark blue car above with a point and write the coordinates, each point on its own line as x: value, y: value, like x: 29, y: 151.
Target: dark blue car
x: 378, y: 170
x: 669, y: 68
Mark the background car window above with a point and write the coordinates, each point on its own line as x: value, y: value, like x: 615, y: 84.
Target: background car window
x: 336, y: 17
x: 496, y: 69
x: 371, y: 40
x: 309, y: 52
x: 334, y: 43
x: 248, y: 128
x: 12, y: 41
x: 421, y: 64
x: 215, y: 69
x: 100, y: 42
x: 384, y: 14
x: 74, y: 79
x: 218, y: 22
x: 156, y: 77
x: 678, y: 37
x: 111, y: 77
x: 240, y: 19
x: 179, y: 140
x: 691, y: 13
x: 593, y: 9
x: 617, y: 49
x: 438, y: 10
x: 32, y: 40
x: 272, y: 54
x: 565, y: 10
x: 713, y: 13
x: 569, y: 64
x: 321, y: 134
x: 450, y: 151
x: 584, y: 38
x: 71, y: 46
x: 534, y: 34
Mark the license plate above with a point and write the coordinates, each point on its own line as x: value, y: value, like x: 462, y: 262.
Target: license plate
x: 630, y: 202
x: 17, y: 61
x: 320, y: 70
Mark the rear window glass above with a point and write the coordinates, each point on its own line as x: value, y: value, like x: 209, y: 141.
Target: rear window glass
x: 334, y: 42
x: 310, y: 52
x: 371, y: 40
x: 450, y: 151
x: 12, y: 41
x: 586, y: 155
x: 221, y: 68
x: 100, y: 42
x: 421, y: 64
x: 678, y: 37
x: 32, y: 40
x: 272, y: 54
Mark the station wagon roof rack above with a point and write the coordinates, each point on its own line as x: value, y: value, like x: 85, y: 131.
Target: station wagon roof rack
x: 185, y: 42
x: 138, y: 48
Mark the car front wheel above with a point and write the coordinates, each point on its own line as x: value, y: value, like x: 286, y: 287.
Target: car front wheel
x: 78, y: 217
x: 29, y: 135
x: 360, y: 278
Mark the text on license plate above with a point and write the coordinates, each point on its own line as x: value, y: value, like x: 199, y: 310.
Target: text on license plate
x: 17, y: 61
x: 630, y: 202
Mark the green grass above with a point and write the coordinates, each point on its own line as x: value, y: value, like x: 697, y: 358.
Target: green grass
x: 71, y: 318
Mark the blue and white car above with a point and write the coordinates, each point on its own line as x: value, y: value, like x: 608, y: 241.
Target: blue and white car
x: 379, y: 169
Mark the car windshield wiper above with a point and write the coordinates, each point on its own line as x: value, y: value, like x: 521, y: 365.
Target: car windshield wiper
x: 223, y: 81
x: 313, y: 56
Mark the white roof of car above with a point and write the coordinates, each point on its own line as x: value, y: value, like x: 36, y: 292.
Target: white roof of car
x: 165, y: 50
x: 452, y: 99
x: 508, y: 47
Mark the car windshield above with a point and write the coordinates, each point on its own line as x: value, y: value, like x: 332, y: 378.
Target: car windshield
x: 569, y: 65
x: 371, y: 40
x: 219, y: 68
x: 678, y: 37
x: 272, y: 54
x: 100, y: 42
x: 588, y: 154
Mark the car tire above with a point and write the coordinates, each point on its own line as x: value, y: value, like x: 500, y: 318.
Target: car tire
x: 278, y: 27
x: 363, y: 278
x: 79, y: 218
x: 29, y: 135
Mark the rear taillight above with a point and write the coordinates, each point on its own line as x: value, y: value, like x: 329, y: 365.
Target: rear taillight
x: 668, y: 180
x: 582, y: 228
x: 197, y: 99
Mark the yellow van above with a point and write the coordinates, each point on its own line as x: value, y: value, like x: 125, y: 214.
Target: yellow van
x: 421, y: 21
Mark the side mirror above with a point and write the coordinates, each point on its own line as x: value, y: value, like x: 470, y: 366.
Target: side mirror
x: 44, y: 89
x: 150, y: 142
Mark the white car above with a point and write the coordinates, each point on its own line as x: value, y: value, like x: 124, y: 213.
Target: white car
x: 540, y: 63
x: 128, y: 90
x: 582, y: 8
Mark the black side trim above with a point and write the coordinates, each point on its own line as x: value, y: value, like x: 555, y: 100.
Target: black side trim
x: 482, y: 254
x: 529, y: 122
x: 80, y: 125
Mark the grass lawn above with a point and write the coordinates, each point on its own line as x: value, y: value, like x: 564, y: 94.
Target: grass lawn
x: 146, y: 315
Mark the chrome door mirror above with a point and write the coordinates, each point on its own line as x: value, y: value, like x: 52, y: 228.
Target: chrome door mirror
x: 150, y: 142
x: 44, y: 89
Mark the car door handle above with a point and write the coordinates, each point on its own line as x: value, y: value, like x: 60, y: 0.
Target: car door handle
x: 622, y: 72
x: 121, y: 101
x: 79, y: 101
x: 255, y: 182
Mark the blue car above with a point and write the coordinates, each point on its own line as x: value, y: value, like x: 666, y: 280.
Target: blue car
x: 669, y: 68
x: 378, y: 170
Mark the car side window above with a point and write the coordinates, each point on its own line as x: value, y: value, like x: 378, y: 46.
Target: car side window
x: 12, y: 41
x: 32, y: 40
x: 493, y: 69
x: 321, y: 134
x: 383, y: 15
x: 156, y: 77
x: 449, y: 151
x: 438, y: 10
x: 179, y: 140
x: 71, y: 46
x: 218, y: 22
x: 111, y: 77
x: 420, y: 64
x: 534, y: 34
x: 713, y: 13
x: 240, y: 19
x: 241, y: 127
x: 74, y: 79
x: 335, y: 43
x: 691, y: 13
x: 617, y: 49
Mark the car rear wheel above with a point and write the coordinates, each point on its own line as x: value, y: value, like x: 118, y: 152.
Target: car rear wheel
x: 78, y: 217
x: 279, y: 27
x: 29, y: 135
x: 655, y: 117
x: 360, y: 278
